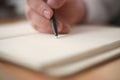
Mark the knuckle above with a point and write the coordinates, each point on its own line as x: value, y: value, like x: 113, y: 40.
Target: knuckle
x: 41, y: 6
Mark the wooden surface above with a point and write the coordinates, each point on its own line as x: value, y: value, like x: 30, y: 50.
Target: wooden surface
x: 106, y: 71
x: 109, y: 70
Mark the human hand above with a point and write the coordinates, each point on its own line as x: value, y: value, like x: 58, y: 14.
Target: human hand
x: 68, y: 13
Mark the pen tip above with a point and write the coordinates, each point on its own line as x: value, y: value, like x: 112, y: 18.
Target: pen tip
x: 56, y: 37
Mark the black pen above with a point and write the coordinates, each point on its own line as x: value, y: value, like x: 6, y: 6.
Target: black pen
x: 54, y: 24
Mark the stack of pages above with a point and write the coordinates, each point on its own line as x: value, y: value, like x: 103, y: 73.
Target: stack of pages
x: 82, y: 48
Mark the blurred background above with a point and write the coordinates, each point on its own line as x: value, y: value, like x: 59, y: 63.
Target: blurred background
x: 12, y: 9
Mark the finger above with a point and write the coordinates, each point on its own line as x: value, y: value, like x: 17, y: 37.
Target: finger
x: 42, y: 24
x: 41, y: 8
x: 56, y: 3
x: 66, y: 29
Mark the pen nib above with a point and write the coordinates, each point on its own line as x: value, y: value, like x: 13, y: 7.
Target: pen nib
x: 56, y: 37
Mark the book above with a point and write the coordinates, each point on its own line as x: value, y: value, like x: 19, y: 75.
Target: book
x: 83, y: 47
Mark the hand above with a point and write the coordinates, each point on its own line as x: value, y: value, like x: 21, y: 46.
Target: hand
x: 68, y: 13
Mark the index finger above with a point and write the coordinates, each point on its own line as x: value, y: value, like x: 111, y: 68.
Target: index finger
x: 41, y: 8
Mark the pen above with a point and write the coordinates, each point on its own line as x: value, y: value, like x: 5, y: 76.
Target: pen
x: 54, y: 24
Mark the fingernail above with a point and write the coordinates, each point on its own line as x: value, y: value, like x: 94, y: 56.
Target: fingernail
x: 47, y: 14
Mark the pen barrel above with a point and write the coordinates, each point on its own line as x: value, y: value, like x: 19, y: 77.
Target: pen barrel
x: 54, y: 24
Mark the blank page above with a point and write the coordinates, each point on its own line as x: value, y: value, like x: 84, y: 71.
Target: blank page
x: 34, y: 50
x: 16, y: 29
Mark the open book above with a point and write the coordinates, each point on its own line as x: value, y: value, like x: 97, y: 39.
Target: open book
x: 84, y: 47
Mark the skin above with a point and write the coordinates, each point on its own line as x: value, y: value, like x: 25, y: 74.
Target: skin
x: 68, y: 13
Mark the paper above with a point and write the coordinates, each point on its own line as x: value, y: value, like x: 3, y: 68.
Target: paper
x: 15, y: 30
x: 22, y: 45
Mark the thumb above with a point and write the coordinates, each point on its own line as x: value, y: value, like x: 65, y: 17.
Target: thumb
x: 55, y: 4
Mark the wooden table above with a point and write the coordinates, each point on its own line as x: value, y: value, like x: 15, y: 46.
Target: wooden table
x: 109, y: 70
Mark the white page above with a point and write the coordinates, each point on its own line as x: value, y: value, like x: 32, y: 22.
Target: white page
x: 16, y: 29
x: 38, y: 50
